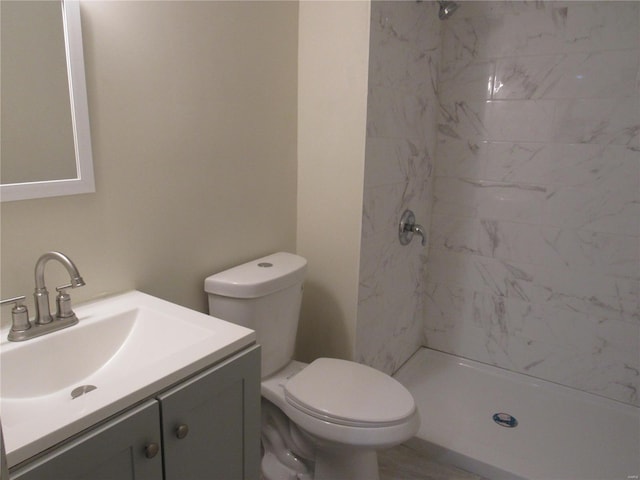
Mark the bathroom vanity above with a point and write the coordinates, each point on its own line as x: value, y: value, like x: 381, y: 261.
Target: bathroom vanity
x: 189, y: 413
x: 204, y: 427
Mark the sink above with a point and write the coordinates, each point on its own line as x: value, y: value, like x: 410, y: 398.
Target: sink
x: 56, y: 362
x: 123, y: 349
x: 98, y: 346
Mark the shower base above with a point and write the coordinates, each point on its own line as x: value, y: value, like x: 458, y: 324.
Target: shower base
x: 543, y: 431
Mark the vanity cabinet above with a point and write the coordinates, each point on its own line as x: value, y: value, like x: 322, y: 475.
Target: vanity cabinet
x: 114, y: 450
x: 205, y: 427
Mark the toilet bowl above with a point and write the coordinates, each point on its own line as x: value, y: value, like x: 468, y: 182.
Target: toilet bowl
x: 324, y: 420
x: 346, y: 410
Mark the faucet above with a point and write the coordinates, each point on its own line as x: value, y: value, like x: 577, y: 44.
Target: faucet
x: 44, y: 322
x: 41, y: 295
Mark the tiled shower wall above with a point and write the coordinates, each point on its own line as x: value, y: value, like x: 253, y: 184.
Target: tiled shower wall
x: 400, y: 148
x: 534, y: 262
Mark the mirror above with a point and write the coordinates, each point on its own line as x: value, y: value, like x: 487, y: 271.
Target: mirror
x: 46, y: 142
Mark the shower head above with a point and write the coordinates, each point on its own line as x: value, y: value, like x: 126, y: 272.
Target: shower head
x: 446, y: 9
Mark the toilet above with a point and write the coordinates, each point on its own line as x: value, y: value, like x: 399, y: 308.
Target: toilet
x: 324, y: 420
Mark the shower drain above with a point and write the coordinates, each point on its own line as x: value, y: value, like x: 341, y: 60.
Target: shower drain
x: 505, y: 420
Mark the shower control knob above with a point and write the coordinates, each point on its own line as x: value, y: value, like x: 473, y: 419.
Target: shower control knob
x: 408, y: 227
x: 182, y: 431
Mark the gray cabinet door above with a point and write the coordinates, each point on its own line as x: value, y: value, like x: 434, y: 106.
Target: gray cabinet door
x: 112, y: 451
x: 217, y: 414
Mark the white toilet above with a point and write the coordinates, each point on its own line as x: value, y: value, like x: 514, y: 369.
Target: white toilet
x: 323, y: 420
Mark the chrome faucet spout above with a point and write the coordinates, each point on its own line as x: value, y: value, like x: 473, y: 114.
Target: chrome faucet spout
x: 41, y: 295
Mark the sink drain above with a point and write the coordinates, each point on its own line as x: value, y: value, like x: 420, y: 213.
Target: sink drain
x: 505, y: 420
x: 79, y: 391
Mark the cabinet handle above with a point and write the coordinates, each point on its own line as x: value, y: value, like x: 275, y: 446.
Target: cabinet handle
x: 182, y: 431
x: 151, y: 450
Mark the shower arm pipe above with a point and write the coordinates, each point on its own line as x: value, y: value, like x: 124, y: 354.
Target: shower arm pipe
x: 447, y: 8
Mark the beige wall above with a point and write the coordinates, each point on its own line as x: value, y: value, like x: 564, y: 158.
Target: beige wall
x: 332, y: 103
x: 193, y: 121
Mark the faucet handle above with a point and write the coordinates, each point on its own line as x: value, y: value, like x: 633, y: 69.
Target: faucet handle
x: 408, y: 227
x: 62, y: 288
x: 19, y: 314
x: 63, y: 302
x: 16, y: 300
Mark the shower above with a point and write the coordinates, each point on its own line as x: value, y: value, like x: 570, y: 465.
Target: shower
x: 446, y: 9
x: 486, y: 288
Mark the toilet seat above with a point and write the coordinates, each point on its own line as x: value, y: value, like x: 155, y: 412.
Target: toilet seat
x: 348, y: 393
x: 326, y: 429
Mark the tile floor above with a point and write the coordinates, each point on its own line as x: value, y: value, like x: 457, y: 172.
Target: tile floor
x: 408, y: 462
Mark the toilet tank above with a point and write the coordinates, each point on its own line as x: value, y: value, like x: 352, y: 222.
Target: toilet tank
x: 264, y: 295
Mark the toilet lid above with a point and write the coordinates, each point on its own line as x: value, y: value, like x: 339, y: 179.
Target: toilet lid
x: 349, y: 393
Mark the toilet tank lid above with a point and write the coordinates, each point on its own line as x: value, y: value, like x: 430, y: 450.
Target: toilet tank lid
x: 259, y: 277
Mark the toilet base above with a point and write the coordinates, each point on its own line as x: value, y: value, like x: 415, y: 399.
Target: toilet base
x: 346, y: 464
x: 291, y: 453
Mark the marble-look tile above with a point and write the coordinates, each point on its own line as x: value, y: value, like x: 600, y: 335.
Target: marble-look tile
x: 464, y: 121
x: 567, y: 289
x: 486, y: 199
x: 398, y: 114
x: 396, y: 160
x: 597, y: 252
x: 457, y: 234
x: 403, y: 46
x: 605, y: 365
x: 607, y: 308
x: 603, y: 208
x: 389, y: 327
x: 401, y: 144
x: 409, y: 26
x: 495, y: 8
x: 591, y: 187
x: 561, y: 165
x: 473, y: 82
x: 600, y: 26
x: 446, y: 307
x: 383, y: 206
x: 571, y: 348
x: 460, y: 42
x: 598, y: 120
x: 527, y: 77
x: 483, y: 37
x: 460, y: 158
x: 518, y: 242
x: 560, y: 279
x: 390, y: 304
x: 488, y: 275
x: 523, y: 121
x: 543, y: 28
x: 572, y: 75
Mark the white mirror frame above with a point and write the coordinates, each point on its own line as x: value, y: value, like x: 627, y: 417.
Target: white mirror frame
x: 84, y: 181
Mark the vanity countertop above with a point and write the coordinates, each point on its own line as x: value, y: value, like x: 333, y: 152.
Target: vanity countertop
x: 128, y: 346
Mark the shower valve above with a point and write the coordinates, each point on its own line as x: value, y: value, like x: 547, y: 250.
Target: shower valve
x: 408, y: 227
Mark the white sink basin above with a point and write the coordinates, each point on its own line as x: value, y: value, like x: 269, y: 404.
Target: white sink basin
x: 128, y: 347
